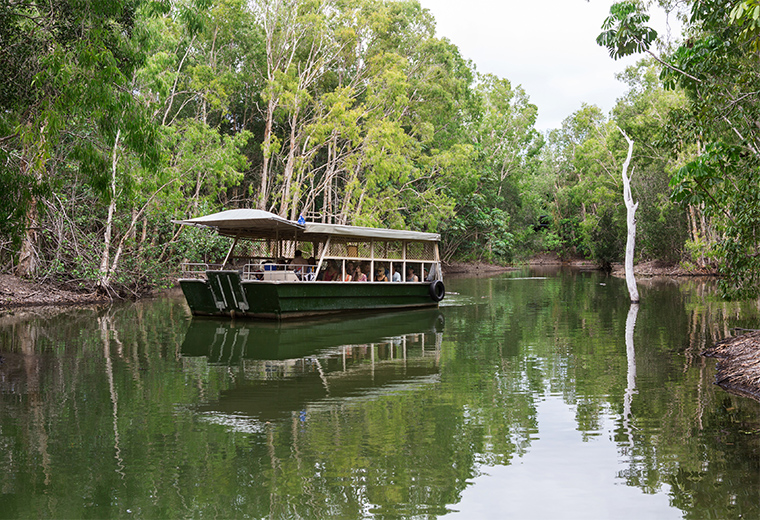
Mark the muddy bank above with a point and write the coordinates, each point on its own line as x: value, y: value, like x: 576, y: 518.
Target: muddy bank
x: 542, y: 260
x: 474, y: 268
x: 657, y: 268
x: 738, y: 363
x: 15, y: 292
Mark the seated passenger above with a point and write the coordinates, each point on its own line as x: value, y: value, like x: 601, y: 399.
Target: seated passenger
x: 349, y: 274
x: 331, y: 274
x: 310, y: 272
x: 396, y: 276
x: 359, y: 276
x: 381, y: 276
x: 298, y: 259
x: 410, y: 276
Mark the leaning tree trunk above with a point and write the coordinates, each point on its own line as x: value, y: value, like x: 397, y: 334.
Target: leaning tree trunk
x: 631, y: 221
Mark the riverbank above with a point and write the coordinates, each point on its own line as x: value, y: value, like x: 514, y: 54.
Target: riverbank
x: 657, y: 268
x: 738, y: 364
x: 17, y: 292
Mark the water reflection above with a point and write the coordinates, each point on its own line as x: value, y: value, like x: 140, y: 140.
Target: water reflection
x: 533, y: 388
x: 287, y: 368
x: 630, y: 351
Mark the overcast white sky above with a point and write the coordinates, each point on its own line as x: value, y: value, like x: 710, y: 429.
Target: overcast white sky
x: 548, y: 47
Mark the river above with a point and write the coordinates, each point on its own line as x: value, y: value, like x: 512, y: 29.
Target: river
x: 531, y: 394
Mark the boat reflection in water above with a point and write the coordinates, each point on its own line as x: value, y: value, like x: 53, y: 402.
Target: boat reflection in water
x: 278, y: 369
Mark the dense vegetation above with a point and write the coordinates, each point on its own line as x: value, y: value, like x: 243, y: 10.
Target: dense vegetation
x: 120, y: 116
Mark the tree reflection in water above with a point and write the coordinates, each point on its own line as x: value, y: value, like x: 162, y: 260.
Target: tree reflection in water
x: 134, y: 410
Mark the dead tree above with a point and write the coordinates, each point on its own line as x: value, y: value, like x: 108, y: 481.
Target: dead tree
x: 630, y: 207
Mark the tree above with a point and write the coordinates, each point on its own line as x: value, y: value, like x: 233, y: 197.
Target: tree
x: 645, y: 113
x: 631, y: 221
x: 490, y: 214
x: 79, y: 59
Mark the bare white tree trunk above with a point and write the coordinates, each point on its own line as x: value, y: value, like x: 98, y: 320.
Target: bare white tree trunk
x: 631, y: 221
x: 103, y: 276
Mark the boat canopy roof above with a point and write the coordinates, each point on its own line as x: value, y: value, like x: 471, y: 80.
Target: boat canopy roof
x: 315, y: 228
x: 246, y: 223
x: 256, y: 223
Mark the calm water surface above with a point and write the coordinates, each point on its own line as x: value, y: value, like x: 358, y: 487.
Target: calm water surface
x: 522, y: 397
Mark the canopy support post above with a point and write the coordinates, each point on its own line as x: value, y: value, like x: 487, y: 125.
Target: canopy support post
x: 229, y: 253
x: 325, y: 248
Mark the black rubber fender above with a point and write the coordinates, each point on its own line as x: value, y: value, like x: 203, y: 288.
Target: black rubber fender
x: 437, y: 290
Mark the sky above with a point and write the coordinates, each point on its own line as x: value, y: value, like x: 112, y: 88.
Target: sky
x: 548, y: 47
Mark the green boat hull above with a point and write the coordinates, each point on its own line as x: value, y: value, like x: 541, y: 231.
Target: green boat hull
x: 225, y: 294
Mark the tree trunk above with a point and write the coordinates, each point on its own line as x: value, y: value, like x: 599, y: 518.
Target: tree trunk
x: 349, y: 190
x: 630, y: 388
x: 289, y: 165
x: 267, y: 152
x: 631, y: 221
x: 103, y: 276
x: 29, y: 255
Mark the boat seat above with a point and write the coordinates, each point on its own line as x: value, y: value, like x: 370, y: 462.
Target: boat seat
x: 280, y: 276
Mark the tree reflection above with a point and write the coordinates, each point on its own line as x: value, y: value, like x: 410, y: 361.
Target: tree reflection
x: 135, y: 411
x: 630, y: 389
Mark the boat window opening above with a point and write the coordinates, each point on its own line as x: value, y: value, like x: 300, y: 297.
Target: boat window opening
x: 232, y: 248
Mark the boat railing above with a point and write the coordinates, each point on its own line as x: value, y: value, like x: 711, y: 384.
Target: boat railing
x: 268, y: 271
x: 197, y: 270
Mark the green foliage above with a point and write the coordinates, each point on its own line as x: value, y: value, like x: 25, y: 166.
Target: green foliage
x: 351, y: 112
x: 746, y: 14
x: 624, y: 30
x: 506, y: 147
x: 721, y: 64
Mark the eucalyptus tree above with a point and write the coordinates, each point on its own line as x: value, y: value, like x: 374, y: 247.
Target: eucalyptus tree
x: 360, y: 110
x: 666, y: 230
x: 124, y: 115
x: 191, y: 80
x: 587, y: 211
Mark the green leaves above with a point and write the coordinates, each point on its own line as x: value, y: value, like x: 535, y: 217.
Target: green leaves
x: 702, y: 181
x: 624, y: 31
x: 746, y: 14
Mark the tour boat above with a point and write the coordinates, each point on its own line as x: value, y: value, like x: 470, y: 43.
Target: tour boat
x: 278, y: 268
